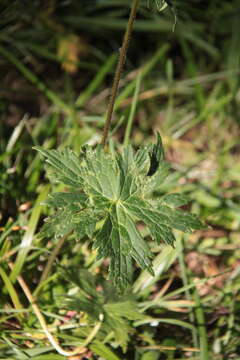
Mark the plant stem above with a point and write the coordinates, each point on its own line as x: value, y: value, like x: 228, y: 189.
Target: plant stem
x: 51, y: 259
x: 117, y: 76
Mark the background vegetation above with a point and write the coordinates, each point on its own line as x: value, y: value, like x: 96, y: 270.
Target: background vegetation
x: 57, y: 60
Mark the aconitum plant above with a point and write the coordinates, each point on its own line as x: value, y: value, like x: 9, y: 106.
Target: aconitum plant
x: 108, y: 194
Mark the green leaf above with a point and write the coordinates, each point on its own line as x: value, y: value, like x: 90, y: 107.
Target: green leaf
x: 112, y: 193
x: 155, y: 181
x: 100, y: 173
x: 160, y: 4
x: 161, y: 219
x: 117, y: 310
x: 81, y: 278
x: 179, y: 220
x: 116, y: 315
x: 102, y: 350
x: 62, y: 199
x: 66, y: 166
x: 120, y: 239
x: 59, y: 224
x: 127, y: 309
x: 156, y: 156
x: 108, y: 242
x: 158, y: 225
x: 70, y: 211
x: 85, y: 222
x: 175, y: 200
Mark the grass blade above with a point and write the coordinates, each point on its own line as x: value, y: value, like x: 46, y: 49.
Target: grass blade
x: 132, y: 110
x: 156, y: 321
x: 96, y: 82
x: 54, y: 98
x: 28, y: 236
x: 203, y: 337
x: 11, y: 291
x: 103, y: 351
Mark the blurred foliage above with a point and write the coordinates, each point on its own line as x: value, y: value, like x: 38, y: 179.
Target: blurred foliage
x: 57, y: 60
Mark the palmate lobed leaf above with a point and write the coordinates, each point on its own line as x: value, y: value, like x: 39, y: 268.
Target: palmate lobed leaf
x: 116, y: 189
x: 117, y: 309
x: 65, y: 165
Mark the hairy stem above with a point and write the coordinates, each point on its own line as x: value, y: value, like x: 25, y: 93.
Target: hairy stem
x: 117, y: 76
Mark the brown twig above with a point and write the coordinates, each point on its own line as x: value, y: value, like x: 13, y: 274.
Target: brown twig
x: 117, y: 76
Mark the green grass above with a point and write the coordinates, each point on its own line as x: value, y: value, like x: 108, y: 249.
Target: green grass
x: 185, y: 84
